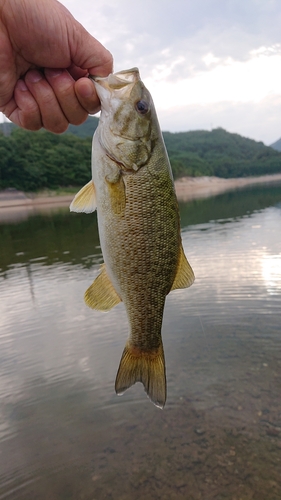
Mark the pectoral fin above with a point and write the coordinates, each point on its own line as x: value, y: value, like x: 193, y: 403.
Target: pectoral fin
x: 117, y: 195
x: 85, y: 199
x: 184, y: 276
x: 101, y: 295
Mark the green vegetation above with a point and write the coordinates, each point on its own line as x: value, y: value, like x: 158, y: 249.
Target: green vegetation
x: 219, y: 153
x: 32, y: 161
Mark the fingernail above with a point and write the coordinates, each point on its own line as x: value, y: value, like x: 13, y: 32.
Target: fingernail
x: 51, y: 73
x: 21, y: 85
x: 33, y: 76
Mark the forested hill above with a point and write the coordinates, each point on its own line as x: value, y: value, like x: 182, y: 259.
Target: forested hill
x: 276, y: 145
x: 87, y: 128
x: 38, y: 160
x: 219, y: 153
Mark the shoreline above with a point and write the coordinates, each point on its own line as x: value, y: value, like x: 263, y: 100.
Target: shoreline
x: 20, y: 199
x: 190, y: 188
x: 187, y: 188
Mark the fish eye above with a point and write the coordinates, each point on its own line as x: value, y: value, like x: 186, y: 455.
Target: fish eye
x: 142, y: 107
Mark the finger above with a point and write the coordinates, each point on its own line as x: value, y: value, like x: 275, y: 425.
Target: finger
x: 22, y: 109
x: 52, y: 116
x: 63, y: 86
x: 89, y: 53
x: 77, y: 72
x: 104, y: 66
x: 87, y: 96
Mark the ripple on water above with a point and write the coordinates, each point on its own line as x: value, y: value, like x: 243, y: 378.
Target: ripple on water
x: 63, y: 431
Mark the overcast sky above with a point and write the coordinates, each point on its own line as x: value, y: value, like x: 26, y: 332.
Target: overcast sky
x: 207, y: 63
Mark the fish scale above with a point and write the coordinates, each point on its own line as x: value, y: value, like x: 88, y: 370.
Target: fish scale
x: 139, y: 226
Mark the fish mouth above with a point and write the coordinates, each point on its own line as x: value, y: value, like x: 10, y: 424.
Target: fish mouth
x: 117, y: 81
x: 120, y: 84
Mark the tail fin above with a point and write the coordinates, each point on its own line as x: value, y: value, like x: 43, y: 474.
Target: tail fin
x: 137, y: 365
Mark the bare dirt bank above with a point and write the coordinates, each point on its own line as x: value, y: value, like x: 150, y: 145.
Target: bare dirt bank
x: 16, y: 205
x: 189, y: 188
x: 13, y: 199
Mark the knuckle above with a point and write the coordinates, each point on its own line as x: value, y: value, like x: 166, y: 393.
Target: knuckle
x: 30, y: 121
x: 79, y: 119
x: 56, y: 128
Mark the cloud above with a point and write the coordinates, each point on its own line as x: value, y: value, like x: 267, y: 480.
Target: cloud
x: 216, y: 57
x: 144, y: 35
x: 225, y: 79
x: 260, y: 122
x: 241, y: 96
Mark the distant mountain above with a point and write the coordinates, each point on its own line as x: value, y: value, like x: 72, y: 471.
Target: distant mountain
x: 84, y: 130
x: 219, y: 153
x: 276, y: 145
x: 201, y: 152
x: 37, y: 160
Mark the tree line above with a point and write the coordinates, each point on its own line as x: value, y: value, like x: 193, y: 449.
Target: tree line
x: 32, y: 161
x: 219, y: 153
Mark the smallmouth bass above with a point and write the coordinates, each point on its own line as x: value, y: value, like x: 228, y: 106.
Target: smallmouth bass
x: 139, y: 226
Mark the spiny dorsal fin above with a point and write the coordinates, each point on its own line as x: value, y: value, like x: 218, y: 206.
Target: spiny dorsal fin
x: 184, y: 276
x: 101, y: 295
x: 85, y: 199
x: 147, y: 367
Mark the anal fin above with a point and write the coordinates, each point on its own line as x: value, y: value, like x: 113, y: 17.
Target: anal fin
x: 85, y: 199
x: 185, y: 275
x: 101, y: 295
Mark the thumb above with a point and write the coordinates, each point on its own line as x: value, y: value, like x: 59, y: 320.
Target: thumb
x: 8, y: 75
x: 87, y: 52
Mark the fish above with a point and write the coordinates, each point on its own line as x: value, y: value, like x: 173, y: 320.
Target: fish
x: 132, y: 190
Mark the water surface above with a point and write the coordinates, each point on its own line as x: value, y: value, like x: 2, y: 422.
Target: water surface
x: 64, y: 434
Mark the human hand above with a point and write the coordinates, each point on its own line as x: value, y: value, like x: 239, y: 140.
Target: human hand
x: 45, y: 56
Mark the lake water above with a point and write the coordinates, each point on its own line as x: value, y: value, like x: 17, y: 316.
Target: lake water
x: 65, y: 435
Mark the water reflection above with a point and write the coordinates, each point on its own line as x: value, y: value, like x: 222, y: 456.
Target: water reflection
x: 230, y: 205
x: 51, y: 238
x: 271, y: 272
x: 64, y: 434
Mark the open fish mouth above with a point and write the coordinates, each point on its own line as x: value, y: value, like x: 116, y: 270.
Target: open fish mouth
x: 119, y: 80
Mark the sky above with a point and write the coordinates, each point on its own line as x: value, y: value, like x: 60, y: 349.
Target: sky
x: 207, y: 63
